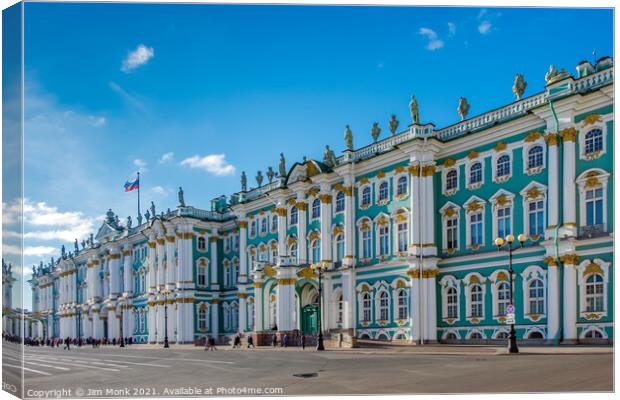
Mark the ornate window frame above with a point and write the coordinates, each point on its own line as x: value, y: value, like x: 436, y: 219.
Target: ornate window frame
x: 472, y: 331
x: 399, y: 285
x: 273, y: 223
x: 400, y: 216
x: 474, y: 158
x: 444, y: 180
x: 364, y: 224
x: 362, y: 289
x: 397, y: 179
x: 533, y: 192
x: 380, y: 221
x: 447, y: 282
x: 529, y: 274
x: 202, y: 307
x: 588, y: 180
x: 497, y: 278
x: 315, y: 201
x: 471, y: 279
x: 382, y: 287
x: 494, y: 163
x: 474, y: 205
x: 336, y: 211
x: 337, y: 230
x: 378, y: 183
x: 449, y: 211
x: 593, y: 328
x: 536, y: 139
x: 587, y: 125
x: 585, y: 269
x: 360, y: 193
x: 202, y: 239
x: 291, y: 213
x: 501, y: 199
x: 202, y: 267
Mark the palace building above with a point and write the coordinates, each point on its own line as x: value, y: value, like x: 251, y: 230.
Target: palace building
x: 401, y: 231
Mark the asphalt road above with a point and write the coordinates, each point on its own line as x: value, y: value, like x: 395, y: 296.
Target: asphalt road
x: 150, y: 372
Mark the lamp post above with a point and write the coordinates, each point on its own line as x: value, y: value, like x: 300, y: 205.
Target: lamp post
x: 122, y: 336
x: 319, y: 268
x: 499, y: 242
x: 165, y: 293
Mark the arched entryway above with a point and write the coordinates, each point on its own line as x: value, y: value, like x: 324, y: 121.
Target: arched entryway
x: 309, y: 299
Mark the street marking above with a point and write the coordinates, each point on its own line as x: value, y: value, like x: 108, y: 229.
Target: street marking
x: 46, y: 365
x: 26, y: 369
x: 81, y: 364
x: 134, y: 363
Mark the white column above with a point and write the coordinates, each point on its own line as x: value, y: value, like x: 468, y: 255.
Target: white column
x: 570, y: 300
x: 431, y: 306
x: 349, y: 299
x: 160, y: 321
x: 152, y: 266
x: 326, y: 218
x: 90, y: 277
x: 170, y: 261
x: 186, y: 262
x: 127, y: 270
x: 414, y: 302
x: 97, y: 325
x: 161, y: 267
x: 349, y: 222
x: 215, y: 312
x: 415, y: 200
x: 258, y: 308
x: 553, y: 300
x: 243, y: 312
x: 172, y: 337
x: 429, y: 208
x: 243, y: 250
x: 302, y: 242
x: 553, y: 200
x: 115, y: 272
x: 569, y: 200
x: 286, y: 298
x: 282, y: 245
x: 112, y: 324
x: 214, y: 265
x: 152, y: 322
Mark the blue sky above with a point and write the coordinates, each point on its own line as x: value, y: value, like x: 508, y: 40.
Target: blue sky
x: 220, y: 89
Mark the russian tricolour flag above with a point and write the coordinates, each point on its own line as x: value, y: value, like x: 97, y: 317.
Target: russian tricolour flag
x: 132, y: 184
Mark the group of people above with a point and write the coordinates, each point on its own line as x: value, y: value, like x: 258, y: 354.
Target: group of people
x: 66, y: 342
x: 298, y: 340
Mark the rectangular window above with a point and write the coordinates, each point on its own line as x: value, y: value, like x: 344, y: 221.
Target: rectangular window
x: 475, y: 226
x: 594, y: 207
x: 536, y: 217
x: 384, y: 240
x: 503, y: 221
x: 402, y: 237
x: 366, y: 244
x: 452, y: 233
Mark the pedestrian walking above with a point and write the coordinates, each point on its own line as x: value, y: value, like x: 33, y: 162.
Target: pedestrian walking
x: 285, y: 340
x: 303, y: 341
x: 250, y: 341
x: 67, y: 343
x: 275, y: 341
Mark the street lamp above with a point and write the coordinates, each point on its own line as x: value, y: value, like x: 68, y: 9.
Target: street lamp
x: 165, y: 293
x: 499, y: 242
x: 122, y: 336
x: 319, y: 268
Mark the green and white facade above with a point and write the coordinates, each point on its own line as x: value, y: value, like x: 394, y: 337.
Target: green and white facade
x: 404, y: 229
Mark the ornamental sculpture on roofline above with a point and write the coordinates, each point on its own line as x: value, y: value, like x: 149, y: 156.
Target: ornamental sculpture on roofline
x: 519, y: 86
x: 181, y: 197
x: 463, y: 108
x: 329, y: 158
x: 415, y: 110
x: 270, y: 174
x: 282, y: 166
x: 375, y: 131
x: 244, y: 182
x: 554, y: 75
x: 393, y: 124
x: 348, y: 137
x: 259, y: 178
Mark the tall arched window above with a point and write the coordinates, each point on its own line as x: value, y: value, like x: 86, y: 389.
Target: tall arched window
x: 594, y: 141
x: 503, y: 298
x: 403, y: 233
x: 316, y: 251
x: 202, y: 275
x: 475, y: 173
x: 401, y: 187
x: 384, y: 306
x: 366, y: 307
x: 316, y: 208
x: 384, y: 240
x: 403, y: 309
x: 340, y: 202
x: 476, y: 301
x: 294, y: 250
x: 253, y: 228
x: 594, y: 206
x: 251, y: 315
x: 339, y: 247
x: 383, y: 191
x: 274, y: 223
x: 202, y: 243
x: 452, y: 300
x: 366, y: 196
x: 451, y: 180
x: 503, y: 166
x: 537, y: 297
x: 293, y: 216
x: 273, y: 312
x: 340, y: 306
x: 235, y: 271
x: 535, y: 157
x: 263, y: 225
x: 595, y: 293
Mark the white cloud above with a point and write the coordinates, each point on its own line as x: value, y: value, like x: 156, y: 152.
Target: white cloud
x: 140, y: 56
x: 34, y: 251
x: 484, y: 27
x: 159, y: 190
x: 141, y: 164
x: 130, y: 99
x: 98, y: 122
x: 434, y: 42
x: 166, y: 157
x: 451, y: 28
x: 213, y: 163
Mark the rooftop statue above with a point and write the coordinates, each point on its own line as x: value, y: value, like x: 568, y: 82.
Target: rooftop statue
x: 147, y: 215
x: 414, y: 109
x: 463, y: 108
x: 394, y: 124
x: 348, y: 137
x: 63, y: 251
x: 153, y: 213
x: 329, y: 158
x: 375, y: 131
x: 244, y: 182
x: 75, y: 246
x: 181, y: 197
x: 270, y: 174
x: 554, y: 75
x: 83, y: 244
x: 34, y: 270
x: 282, y: 166
x: 92, y: 239
x: 129, y: 222
x: 259, y: 178
x: 139, y: 219
x: 519, y: 86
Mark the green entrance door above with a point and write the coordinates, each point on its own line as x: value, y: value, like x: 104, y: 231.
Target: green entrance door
x: 310, y: 319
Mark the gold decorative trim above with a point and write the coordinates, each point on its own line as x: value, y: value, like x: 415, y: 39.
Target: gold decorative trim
x: 500, y: 146
x: 243, y: 295
x: 428, y: 170
x: 450, y: 162
x: 170, y: 239
x: 243, y: 224
x: 152, y: 245
x: 258, y: 285
x: 380, y: 174
x: 550, y: 261
x: 287, y: 281
x: 399, y: 169
x: 414, y: 170
x: 570, y: 259
x: 213, y: 239
x: 348, y: 191
x: 307, y: 272
x: 593, y: 316
x: 591, y: 119
x: 126, y: 253
x: 533, y: 193
x: 532, y: 137
x: 216, y: 301
x: 302, y: 205
x: 593, y: 268
x: 325, y: 198
x: 551, y: 139
x: 568, y: 134
x: 364, y: 180
x: 473, y: 154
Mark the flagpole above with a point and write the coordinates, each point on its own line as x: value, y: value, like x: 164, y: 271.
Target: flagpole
x: 139, y: 215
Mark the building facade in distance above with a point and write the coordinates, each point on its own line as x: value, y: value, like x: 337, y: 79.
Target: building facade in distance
x: 403, y: 231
